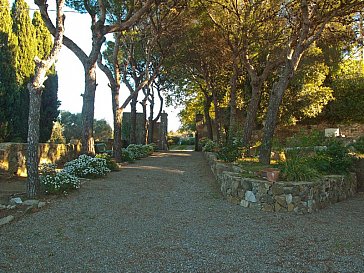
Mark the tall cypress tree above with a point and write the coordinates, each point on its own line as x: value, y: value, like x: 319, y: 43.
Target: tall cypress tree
x: 25, y: 52
x: 8, y: 87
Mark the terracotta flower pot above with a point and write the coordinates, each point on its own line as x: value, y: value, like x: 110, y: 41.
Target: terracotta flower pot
x: 272, y: 175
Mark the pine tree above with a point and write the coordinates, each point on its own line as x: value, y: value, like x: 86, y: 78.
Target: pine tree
x: 8, y: 87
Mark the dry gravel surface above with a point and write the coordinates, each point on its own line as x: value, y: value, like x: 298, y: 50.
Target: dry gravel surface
x: 165, y: 214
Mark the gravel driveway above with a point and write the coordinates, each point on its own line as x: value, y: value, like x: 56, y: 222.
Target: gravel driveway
x: 165, y: 214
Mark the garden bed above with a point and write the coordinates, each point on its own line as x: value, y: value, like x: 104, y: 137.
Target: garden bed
x: 281, y: 196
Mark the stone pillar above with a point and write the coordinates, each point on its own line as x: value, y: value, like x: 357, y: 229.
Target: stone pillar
x: 163, y: 131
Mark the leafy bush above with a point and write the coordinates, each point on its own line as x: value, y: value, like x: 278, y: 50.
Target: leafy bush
x: 359, y: 145
x: 87, y: 166
x: 140, y: 151
x: 53, y: 182
x: 306, y: 139
x: 110, y: 163
x: 127, y: 156
x: 208, y: 145
x: 173, y: 140
x: 136, y: 151
x: 335, y: 159
x: 297, y: 167
x: 230, y: 152
x: 187, y: 141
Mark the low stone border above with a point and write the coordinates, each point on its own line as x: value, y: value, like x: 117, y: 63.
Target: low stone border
x: 298, y: 197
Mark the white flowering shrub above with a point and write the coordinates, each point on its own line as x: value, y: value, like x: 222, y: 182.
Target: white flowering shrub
x: 87, y: 166
x: 53, y: 182
x: 139, y: 151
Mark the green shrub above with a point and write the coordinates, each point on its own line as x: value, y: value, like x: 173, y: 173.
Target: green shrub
x: 53, y: 182
x: 335, y: 159
x: 297, y: 167
x: 173, y: 140
x: 110, y: 163
x: 306, y: 139
x: 127, y: 156
x: 139, y: 150
x: 231, y: 151
x: 359, y: 145
x: 209, y: 146
x: 87, y: 166
x: 187, y: 141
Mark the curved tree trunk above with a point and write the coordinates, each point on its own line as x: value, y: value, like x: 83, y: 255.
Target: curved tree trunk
x: 36, y: 88
x: 275, y: 100
x: 251, y: 116
x: 217, y: 116
x: 206, y: 110
x: 233, y: 85
x: 133, y: 121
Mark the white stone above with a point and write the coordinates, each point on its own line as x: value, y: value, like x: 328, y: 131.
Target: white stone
x: 6, y: 220
x: 250, y: 197
x: 41, y: 204
x: 16, y: 201
x: 289, y: 198
x: 31, y: 202
x: 244, y: 203
x: 3, y: 206
x: 332, y: 132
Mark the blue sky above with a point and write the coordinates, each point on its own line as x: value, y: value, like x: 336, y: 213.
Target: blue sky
x: 71, y: 74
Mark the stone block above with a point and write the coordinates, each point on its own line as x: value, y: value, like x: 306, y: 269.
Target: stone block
x: 267, y: 207
x: 250, y: 197
x: 277, y: 189
x: 244, y: 203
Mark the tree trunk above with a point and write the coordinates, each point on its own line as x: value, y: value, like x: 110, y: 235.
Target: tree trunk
x: 133, y: 121
x: 117, y: 146
x: 217, y: 116
x: 232, y: 103
x: 252, y: 111
x: 145, y: 123
x: 88, y: 110
x: 33, y: 182
x: 206, y: 110
x: 150, y: 120
x: 275, y: 100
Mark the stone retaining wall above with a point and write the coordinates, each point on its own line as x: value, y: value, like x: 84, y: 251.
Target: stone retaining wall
x: 298, y: 197
x: 13, y: 155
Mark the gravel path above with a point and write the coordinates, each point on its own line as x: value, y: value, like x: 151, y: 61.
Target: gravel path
x: 165, y: 214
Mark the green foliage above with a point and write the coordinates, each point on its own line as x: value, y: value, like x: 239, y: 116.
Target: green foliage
x: 136, y: 151
x: 187, y: 141
x: 57, y: 134
x: 8, y: 87
x: 359, y: 145
x: 231, y: 151
x: 306, y: 139
x: 73, y: 127
x: 298, y: 167
x: 127, y: 156
x: 333, y: 160
x: 208, y: 145
x: 110, y: 163
x: 102, y: 130
x: 348, y: 86
x: 53, y: 182
x: 72, y: 124
x: 26, y: 48
x: 87, y: 166
x: 49, y: 108
x: 307, y: 94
